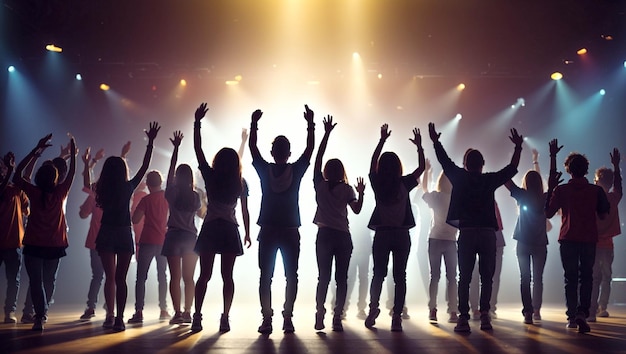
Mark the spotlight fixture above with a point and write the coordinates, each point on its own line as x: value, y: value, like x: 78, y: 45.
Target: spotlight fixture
x: 556, y: 76
x: 458, y: 116
x: 521, y: 102
x: 54, y: 48
x: 183, y: 82
x: 602, y: 92
x: 11, y: 68
x: 460, y: 87
x: 105, y: 87
x: 79, y: 77
x: 581, y: 51
x: 356, y: 56
x: 238, y: 77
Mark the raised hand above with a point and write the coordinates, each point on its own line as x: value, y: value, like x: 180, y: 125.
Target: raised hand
x: 65, y: 151
x: 328, y: 124
x: 417, y: 137
x: 153, y: 131
x: 308, y: 114
x: 44, y: 142
x: 535, y: 154
x: 554, y: 179
x: 125, y: 149
x: 434, y: 136
x: 178, y: 137
x: 9, y: 160
x: 87, y: 155
x: 384, y: 131
x: 516, y: 138
x: 256, y: 116
x: 554, y: 147
x: 615, y: 157
x: 360, y: 185
x: 244, y: 134
x: 201, y: 111
x: 99, y: 155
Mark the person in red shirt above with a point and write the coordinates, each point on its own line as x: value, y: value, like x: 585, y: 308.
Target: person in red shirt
x: 611, y: 182
x: 45, y: 239
x: 154, y: 208
x: 13, y: 207
x: 580, y: 202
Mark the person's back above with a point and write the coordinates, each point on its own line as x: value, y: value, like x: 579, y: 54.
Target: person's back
x: 155, y: 208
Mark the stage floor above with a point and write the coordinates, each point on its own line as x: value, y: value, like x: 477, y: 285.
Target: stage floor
x: 64, y: 333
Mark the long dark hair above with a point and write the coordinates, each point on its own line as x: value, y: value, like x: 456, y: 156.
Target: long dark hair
x: 46, y: 180
x: 183, y: 179
x: 389, y: 171
x: 113, y: 177
x: 533, y: 184
x: 226, y: 185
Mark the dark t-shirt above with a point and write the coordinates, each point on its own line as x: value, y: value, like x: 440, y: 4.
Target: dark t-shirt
x: 397, y: 213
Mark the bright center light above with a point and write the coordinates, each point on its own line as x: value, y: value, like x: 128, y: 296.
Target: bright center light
x: 556, y: 76
x: 582, y: 51
x: 183, y: 82
x: 104, y: 87
x: 602, y: 92
x: 11, y: 68
x: 79, y: 77
x: 356, y: 56
x: 54, y: 48
x: 458, y: 116
x: 461, y: 87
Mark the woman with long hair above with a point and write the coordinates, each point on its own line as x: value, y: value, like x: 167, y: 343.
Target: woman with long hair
x: 181, y: 235
x: 219, y: 233
x: 115, y: 239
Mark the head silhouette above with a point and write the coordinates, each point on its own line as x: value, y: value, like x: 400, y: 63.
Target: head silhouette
x: 281, y: 149
x: 576, y: 164
x: 473, y: 160
x: 334, y: 171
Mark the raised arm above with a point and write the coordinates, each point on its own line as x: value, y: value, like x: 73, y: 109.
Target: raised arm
x: 9, y: 162
x: 536, y: 161
x: 428, y: 170
x: 328, y: 127
x: 67, y: 182
x: 178, y: 137
x: 252, y: 141
x: 99, y: 155
x: 417, y: 140
x: 554, y: 149
x: 242, y: 146
x: 43, y: 144
x: 384, y: 134
x: 518, y: 140
x: 152, y: 134
x: 197, y: 138
x: 617, y: 174
x: 310, y: 136
x: 86, y: 157
x: 357, y: 205
x: 554, y: 178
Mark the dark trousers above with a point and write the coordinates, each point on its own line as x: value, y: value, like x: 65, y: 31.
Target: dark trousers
x: 42, y: 274
x: 331, y: 244
x: 271, y: 240
x: 12, y: 260
x: 97, y: 274
x: 534, y: 255
x: 474, y: 242
x: 398, y: 243
x: 577, y: 259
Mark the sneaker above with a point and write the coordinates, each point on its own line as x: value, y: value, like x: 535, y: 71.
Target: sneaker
x: 396, y: 323
x: 224, y: 325
x: 10, y: 317
x: 583, y: 326
x: 187, y: 317
x: 337, y: 325
x: 528, y: 318
x: 603, y: 313
x: 432, y: 315
x: 591, y: 318
x: 288, y: 325
x: 164, y: 315
x: 136, y: 318
x: 485, y: 322
x: 28, y: 318
x: 361, y: 315
x: 319, y: 321
x: 118, y: 325
x: 453, y: 318
x: 88, y: 314
x: 266, y: 326
x: 462, y: 326
x: 108, y: 322
x: 476, y: 315
x: 405, y: 313
x: 493, y: 315
x: 370, y: 321
x: 571, y: 323
x: 196, y: 323
x: 38, y: 324
x: 177, y: 318
x: 537, y: 315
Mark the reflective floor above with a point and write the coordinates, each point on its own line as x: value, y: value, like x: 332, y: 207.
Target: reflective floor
x: 64, y: 333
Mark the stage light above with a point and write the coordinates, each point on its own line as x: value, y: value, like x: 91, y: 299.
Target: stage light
x: 104, y: 87
x: 602, y: 92
x: 581, y: 51
x: 356, y: 56
x: 380, y: 76
x: 521, y: 102
x: 458, y: 116
x: 53, y: 48
x: 625, y: 63
x: 460, y: 87
x: 232, y: 82
x: 556, y: 76
x: 238, y: 78
x: 79, y: 77
x: 11, y: 68
x: 183, y: 82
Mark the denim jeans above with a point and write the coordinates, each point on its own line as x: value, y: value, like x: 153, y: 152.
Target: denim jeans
x: 445, y: 249
x: 386, y: 242
x: 331, y: 244
x: 534, y: 255
x: 42, y: 274
x: 577, y: 259
x: 474, y: 242
x: 97, y: 274
x: 12, y: 259
x: 602, y: 276
x: 145, y: 253
x: 271, y: 240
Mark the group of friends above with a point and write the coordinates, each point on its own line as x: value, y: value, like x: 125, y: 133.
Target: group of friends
x: 465, y: 228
